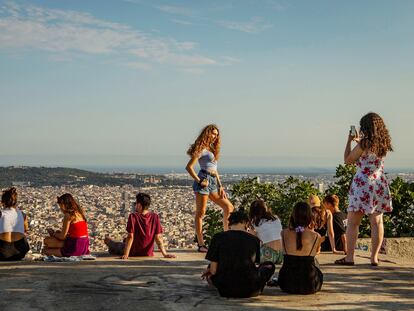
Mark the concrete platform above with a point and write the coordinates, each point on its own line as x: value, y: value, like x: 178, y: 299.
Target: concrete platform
x: 164, y: 284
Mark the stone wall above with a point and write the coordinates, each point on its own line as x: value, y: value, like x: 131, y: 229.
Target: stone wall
x: 395, y: 247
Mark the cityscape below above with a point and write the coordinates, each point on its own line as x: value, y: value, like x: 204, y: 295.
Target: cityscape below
x: 107, y: 205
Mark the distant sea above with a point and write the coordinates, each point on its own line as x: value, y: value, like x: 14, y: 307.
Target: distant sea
x: 225, y: 170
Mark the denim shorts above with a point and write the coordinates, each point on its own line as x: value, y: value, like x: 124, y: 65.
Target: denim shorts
x: 212, y: 184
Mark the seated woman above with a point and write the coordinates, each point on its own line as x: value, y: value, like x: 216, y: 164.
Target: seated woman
x: 13, y: 226
x: 233, y: 255
x: 300, y: 273
x: 323, y: 224
x: 73, y: 239
x: 267, y: 228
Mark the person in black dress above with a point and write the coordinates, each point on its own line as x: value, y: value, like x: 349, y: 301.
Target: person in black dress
x: 300, y: 273
x: 234, y: 255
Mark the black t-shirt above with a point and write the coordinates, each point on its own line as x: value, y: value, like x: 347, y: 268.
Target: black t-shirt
x: 236, y: 253
x: 339, y: 227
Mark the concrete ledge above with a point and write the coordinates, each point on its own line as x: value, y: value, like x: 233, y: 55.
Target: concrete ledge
x: 401, y: 248
x: 164, y: 284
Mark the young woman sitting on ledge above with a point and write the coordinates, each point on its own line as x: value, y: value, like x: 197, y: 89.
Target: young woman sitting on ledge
x: 13, y: 226
x: 73, y: 239
x: 300, y: 273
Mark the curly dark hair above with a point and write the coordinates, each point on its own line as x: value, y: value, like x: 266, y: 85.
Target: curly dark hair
x: 204, y: 141
x: 375, y: 135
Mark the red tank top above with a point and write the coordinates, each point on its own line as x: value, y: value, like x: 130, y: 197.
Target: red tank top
x: 78, y: 229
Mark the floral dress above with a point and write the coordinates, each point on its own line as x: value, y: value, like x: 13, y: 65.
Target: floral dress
x: 369, y: 192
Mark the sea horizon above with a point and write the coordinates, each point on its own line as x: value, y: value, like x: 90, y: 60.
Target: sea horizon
x: 137, y: 169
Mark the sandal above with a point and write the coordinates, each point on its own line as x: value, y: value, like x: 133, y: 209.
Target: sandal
x: 375, y: 264
x: 343, y: 262
x: 202, y: 249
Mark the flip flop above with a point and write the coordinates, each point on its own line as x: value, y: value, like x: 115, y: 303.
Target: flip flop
x: 343, y: 262
x: 202, y: 249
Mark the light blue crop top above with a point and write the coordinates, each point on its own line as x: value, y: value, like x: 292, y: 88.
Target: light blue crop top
x: 207, y: 161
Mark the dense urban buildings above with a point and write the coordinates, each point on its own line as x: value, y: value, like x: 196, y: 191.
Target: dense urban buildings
x: 107, y: 207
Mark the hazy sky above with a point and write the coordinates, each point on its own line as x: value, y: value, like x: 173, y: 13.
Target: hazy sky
x: 108, y: 82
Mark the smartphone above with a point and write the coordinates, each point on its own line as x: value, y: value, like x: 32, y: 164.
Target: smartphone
x: 353, y: 131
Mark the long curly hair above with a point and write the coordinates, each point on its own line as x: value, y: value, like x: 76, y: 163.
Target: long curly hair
x: 70, y: 206
x: 204, y: 141
x: 376, y: 137
x: 319, y: 217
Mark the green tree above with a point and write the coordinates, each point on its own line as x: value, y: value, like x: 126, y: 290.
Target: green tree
x: 402, y: 217
x: 343, y: 179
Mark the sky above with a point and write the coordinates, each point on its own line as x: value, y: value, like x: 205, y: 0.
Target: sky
x: 132, y: 82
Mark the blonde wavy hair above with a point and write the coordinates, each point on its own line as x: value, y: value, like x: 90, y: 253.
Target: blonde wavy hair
x: 376, y: 136
x: 204, y: 141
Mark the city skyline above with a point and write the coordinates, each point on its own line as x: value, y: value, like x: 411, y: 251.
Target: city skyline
x: 132, y: 82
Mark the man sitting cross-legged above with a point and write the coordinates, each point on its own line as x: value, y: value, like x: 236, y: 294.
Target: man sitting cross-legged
x: 143, y: 228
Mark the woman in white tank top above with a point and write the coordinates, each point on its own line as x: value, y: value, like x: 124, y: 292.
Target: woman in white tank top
x: 13, y: 226
x: 267, y: 228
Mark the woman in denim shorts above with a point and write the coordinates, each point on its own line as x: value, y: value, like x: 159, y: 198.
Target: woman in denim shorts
x: 207, y: 183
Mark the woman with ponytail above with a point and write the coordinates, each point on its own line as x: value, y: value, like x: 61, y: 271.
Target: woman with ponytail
x: 13, y: 228
x: 300, y: 273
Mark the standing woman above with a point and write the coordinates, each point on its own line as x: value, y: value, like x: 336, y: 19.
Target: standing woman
x: 207, y: 185
x: 369, y: 193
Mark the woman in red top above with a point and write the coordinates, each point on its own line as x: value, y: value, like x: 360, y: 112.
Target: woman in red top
x: 73, y: 239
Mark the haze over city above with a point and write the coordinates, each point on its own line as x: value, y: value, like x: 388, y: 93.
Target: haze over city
x: 130, y: 83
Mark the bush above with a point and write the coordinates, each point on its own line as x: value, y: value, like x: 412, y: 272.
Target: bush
x: 213, y: 223
x: 282, y: 197
x: 279, y: 197
x: 401, y: 221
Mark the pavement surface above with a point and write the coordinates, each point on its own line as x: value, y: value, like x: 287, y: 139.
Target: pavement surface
x: 109, y: 283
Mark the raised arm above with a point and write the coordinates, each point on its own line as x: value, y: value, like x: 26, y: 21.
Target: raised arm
x: 352, y: 155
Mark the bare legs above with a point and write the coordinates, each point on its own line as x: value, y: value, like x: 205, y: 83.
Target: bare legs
x: 377, y: 234
x: 201, y: 206
x: 52, y: 246
x: 352, y: 230
x: 226, y: 205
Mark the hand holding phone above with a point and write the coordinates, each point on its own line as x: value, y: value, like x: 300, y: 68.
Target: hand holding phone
x: 353, y: 131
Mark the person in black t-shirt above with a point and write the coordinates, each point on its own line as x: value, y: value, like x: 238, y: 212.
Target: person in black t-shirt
x: 339, y: 220
x: 233, y: 255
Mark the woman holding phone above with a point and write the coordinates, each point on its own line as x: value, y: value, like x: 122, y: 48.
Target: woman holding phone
x: 207, y: 185
x: 369, y: 193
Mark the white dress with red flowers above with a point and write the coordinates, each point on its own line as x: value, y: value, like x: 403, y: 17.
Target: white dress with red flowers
x: 369, y: 192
